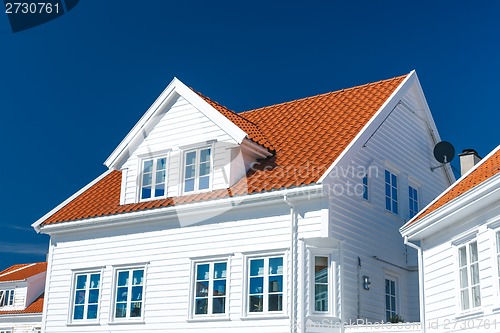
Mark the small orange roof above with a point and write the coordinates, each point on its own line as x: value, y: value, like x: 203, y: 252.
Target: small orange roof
x: 306, y: 133
x: 483, y: 171
x: 22, y: 271
x: 35, y: 307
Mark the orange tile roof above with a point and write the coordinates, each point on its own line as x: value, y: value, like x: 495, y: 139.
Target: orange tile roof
x: 22, y: 271
x: 35, y: 307
x: 307, y: 136
x: 487, y: 169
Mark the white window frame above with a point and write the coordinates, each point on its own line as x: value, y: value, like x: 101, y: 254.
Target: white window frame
x: 395, y: 279
x: 7, y: 297
x: 394, y: 203
x: 154, y: 158
x: 71, y: 307
x: 192, y: 293
x: 198, y: 150
x: 112, y: 312
x: 6, y: 330
x: 413, y: 201
x: 313, y: 253
x: 458, y: 245
x: 246, y: 285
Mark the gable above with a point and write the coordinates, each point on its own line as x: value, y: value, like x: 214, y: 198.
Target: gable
x: 307, y: 133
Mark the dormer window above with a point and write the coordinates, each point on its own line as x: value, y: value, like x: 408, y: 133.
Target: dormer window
x: 6, y: 297
x: 153, y: 178
x: 197, y: 169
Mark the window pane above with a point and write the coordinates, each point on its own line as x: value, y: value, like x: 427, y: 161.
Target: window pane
x: 161, y: 164
x: 256, y: 285
x: 321, y: 269
x: 135, y: 309
x: 204, y: 182
x: 476, y: 296
x: 465, y: 299
x: 189, y: 185
x: 148, y: 166
x: 147, y: 179
x: 257, y: 267
x: 387, y: 190
x: 94, y: 296
x: 202, y: 289
x: 159, y: 190
x: 463, y: 278
x: 473, y: 252
x: 201, y: 306
x: 78, y: 314
x: 205, y: 155
x: 256, y: 303
x: 204, y: 169
x: 462, y: 256
x: 387, y: 176
x: 276, y: 265
x: 123, y: 278
x: 395, y: 207
x: 121, y: 310
x: 276, y: 283
x: 160, y: 177
x: 190, y: 171
x: 146, y: 193
x: 92, y: 312
x: 202, y: 272
x: 394, y: 180
x: 81, y: 281
x: 321, y: 297
x: 219, y: 305
x: 388, y: 203
x: 80, y: 297
x: 191, y: 158
x: 387, y: 287
x: 220, y: 270
x: 276, y: 302
x: 219, y: 288
x: 95, y: 280
x: 137, y: 293
x: 121, y: 294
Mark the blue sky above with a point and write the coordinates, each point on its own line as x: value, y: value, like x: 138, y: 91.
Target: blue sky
x: 71, y: 89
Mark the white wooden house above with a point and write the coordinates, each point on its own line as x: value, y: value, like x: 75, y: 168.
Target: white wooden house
x: 459, y: 239
x: 278, y: 219
x: 21, y: 298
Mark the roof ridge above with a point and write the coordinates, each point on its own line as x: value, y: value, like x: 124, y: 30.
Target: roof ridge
x: 18, y: 269
x: 324, y: 94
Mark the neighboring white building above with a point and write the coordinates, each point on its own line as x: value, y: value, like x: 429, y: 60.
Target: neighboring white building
x: 21, y: 298
x: 279, y: 219
x: 459, y: 237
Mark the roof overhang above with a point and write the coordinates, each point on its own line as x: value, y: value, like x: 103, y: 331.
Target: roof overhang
x: 174, y: 89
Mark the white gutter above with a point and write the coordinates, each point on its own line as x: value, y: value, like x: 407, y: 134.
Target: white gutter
x: 315, y: 190
x: 293, y: 255
x: 423, y: 324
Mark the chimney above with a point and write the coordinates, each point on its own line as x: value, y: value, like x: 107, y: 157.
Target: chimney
x: 468, y: 158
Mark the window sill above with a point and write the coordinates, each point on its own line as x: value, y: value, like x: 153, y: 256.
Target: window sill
x: 470, y: 314
x: 83, y: 323
x: 265, y: 316
x: 127, y: 322
x: 208, y: 319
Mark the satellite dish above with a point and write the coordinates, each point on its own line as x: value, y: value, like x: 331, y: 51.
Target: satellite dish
x: 444, y: 152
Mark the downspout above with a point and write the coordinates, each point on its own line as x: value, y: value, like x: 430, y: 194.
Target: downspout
x: 420, y: 282
x: 293, y: 256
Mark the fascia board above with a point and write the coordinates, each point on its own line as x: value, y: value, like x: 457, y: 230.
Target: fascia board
x: 378, y: 118
x: 175, y: 88
x: 472, y: 201
x: 197, y: 208
x: 38, y: 222
x: 410, y: 223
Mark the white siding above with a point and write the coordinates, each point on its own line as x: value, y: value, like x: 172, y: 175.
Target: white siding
x: 403, y: 142
x: 442, y: 302
x: 181, y: 125
x: 168, y: 251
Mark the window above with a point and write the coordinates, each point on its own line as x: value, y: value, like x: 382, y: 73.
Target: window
x: 5, y: 331
x: 470, y: 295
x: 153, y: 178
x: 412, y: 201
x: 129, y: 293
x: 265, y: 285
x: 86, y: 296
x: 6, y: 297
x: 197, y: 169
x: 365, y: 187
x: 391, y: 192
x: 390, y: 299
x: 321, y: 281
x: 210, y: 295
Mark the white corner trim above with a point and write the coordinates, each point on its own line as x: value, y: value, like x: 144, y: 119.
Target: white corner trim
x: 36, y: 225
x: 174, y: 89
x: 405, y: 230
x: 388, y: 104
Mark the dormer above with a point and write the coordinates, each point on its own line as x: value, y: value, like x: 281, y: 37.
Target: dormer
x: 185, y: 144
x: 21, y: 285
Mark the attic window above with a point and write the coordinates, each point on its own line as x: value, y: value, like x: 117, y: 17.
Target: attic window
x: 153, y: 178
x: 197, y: 169
x: 6, y: 297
